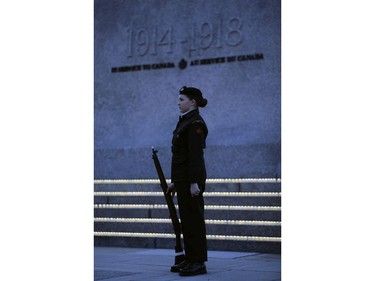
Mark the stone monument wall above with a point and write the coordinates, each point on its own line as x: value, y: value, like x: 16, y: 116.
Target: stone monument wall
x: 145, y: 51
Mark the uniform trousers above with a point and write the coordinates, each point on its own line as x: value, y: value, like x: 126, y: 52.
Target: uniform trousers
x: 191, y: 211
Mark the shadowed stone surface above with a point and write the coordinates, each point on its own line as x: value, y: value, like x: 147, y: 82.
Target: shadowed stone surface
x: 146, y: 50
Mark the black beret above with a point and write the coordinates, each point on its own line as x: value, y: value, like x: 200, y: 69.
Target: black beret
x: 195, y: 94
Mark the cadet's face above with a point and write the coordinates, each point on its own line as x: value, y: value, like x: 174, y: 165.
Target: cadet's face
x: 184, y: 103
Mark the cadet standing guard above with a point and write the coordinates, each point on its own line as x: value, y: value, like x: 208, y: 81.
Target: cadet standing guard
x: 188, y: 178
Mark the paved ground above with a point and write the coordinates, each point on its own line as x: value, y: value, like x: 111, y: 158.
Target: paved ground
x: 117, y: 264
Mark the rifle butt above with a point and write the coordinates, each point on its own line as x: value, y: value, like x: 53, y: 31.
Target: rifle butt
x: 179, y: 257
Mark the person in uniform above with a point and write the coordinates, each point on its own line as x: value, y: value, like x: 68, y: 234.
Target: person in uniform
x: 188, y: 177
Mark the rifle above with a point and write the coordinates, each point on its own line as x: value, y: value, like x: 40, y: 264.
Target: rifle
x: 171, y: 207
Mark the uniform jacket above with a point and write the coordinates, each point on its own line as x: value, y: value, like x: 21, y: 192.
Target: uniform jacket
x: 188, y: 142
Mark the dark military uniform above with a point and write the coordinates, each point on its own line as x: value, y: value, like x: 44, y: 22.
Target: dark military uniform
x: 189, y: 140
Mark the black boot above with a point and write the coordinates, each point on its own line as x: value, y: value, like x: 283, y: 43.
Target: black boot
x: 177, y: 267
x: 194, y: 268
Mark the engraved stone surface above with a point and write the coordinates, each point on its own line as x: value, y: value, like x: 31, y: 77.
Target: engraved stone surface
x: 146, y: 50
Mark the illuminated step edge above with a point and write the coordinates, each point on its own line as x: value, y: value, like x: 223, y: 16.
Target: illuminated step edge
x: 206, y: 207
x: 206, y: 194
x: 167, y: 235
x: 156, y: 220
x: 156, y: 181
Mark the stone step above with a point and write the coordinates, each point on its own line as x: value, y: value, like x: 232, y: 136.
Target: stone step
x: 210, y: 198
x: 242, y: 244
x: 245, y: 228
x: 262, y: 213
x: 212, y: 185
x: 241, y: 214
